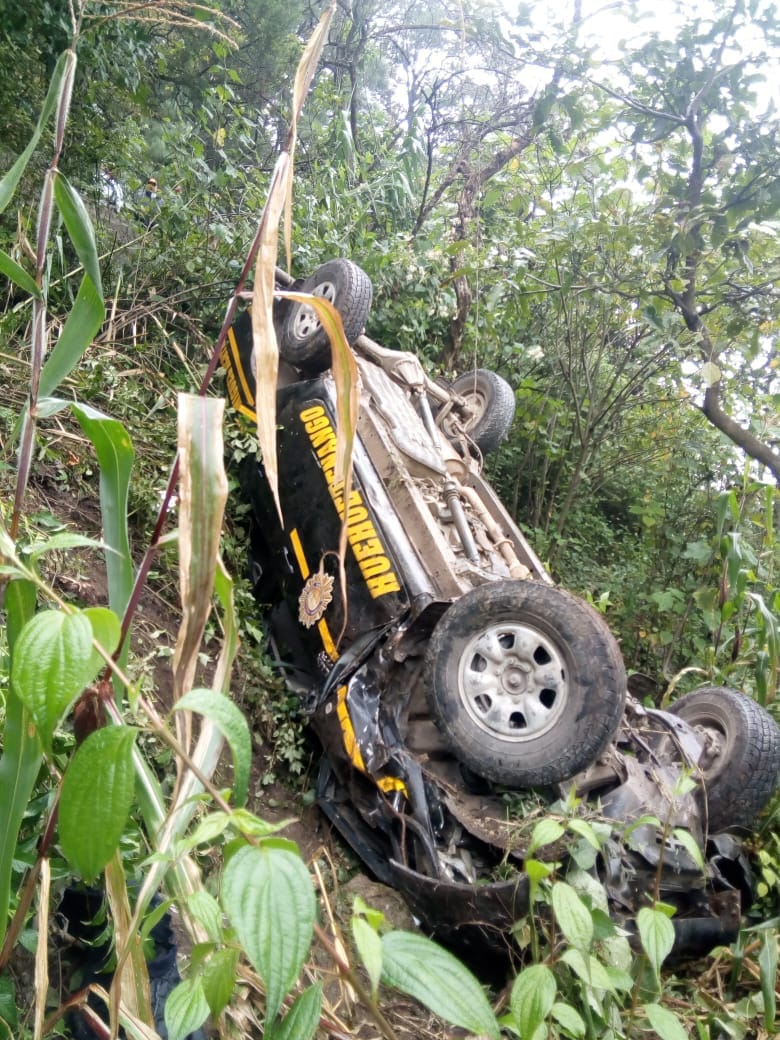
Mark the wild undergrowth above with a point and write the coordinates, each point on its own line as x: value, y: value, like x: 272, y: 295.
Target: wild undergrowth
x: 108, y: 780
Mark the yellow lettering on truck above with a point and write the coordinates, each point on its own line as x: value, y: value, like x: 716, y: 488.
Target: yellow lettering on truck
x: 370, y: 553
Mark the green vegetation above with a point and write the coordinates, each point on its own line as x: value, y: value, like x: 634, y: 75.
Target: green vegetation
x: 601, y: 230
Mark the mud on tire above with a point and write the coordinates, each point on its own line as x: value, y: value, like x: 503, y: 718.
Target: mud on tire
x: 525, y: 682
x: 741, y: 759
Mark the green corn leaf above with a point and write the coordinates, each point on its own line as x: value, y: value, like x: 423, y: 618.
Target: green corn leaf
x: 20, y: 761
x: 65, y: 63
x: 301, y: 1021
x: 223, y: 587
x: 97, y: 794
x: 18, y: 275
x: 86, y: 316
x: 421, y: 968
x: 572, y: 915
x: 115, y: 455
x: 233, y: 727
x: 767, y: 963
x: 79, y: 226
x: 53, y: 664
x: 186, y: 1008
x: 218, y: 978
x: 532, y: 998
x: 202, y: 495
x: 269, y: 898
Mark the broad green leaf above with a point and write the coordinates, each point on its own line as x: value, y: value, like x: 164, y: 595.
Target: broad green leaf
x: 566, y: 1016
x: 115, y: 455
x: 665, y: 1023
x: 208, y: 829
x: 186, y: 1009
x: 369, y: 947
x: 64, y: 69
x: 586, y: 831
x: 218, y: 977
x: 421, y: 968
x: 106, y: 630
x: 8, y: 1014
x: 205, y: 909
x: 79, y: 227
x: 202, y: 497
x: 572, y: 915
x: 97, y: 794
x: 269, y: 898
x: 82, y: 325
x: 546, y: 832
x: 588, y: 968
x: 686, y: 839
x: 532, y: 998
x: 18, y: 275
x: 657, y: 934
x: 53, y: 664
x: 710, y: 373
x: 62, y: 540
x: 618, y: 978
x: 232, y: 725
x: 374, y: 917
x: 301, y: 1021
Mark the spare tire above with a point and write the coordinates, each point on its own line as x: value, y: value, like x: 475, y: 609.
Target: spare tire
x: 525, y: 682
x: 303, y: 342
x: 741, y: 753
x: 492, y: 403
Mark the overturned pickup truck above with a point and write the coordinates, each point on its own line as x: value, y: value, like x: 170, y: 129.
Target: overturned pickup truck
x: 459, y: 675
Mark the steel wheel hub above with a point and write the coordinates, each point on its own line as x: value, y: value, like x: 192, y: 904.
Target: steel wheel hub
x: 306, y: 321
x: 512, y: 682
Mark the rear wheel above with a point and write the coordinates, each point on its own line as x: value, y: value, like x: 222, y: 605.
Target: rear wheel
x: 303, y: 341
x: 741, y: 753
x: 491, y: 402
x: 525, y: 682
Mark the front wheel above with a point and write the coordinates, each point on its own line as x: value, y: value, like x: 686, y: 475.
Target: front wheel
x: 740, y: 753
x: 525, y: 682
x: 303, y: 341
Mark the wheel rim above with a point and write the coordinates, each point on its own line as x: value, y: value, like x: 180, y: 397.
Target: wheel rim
x: 306, y: 322
x: 512, y: 682
x: 453, y: 424
x: 716, y: 746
